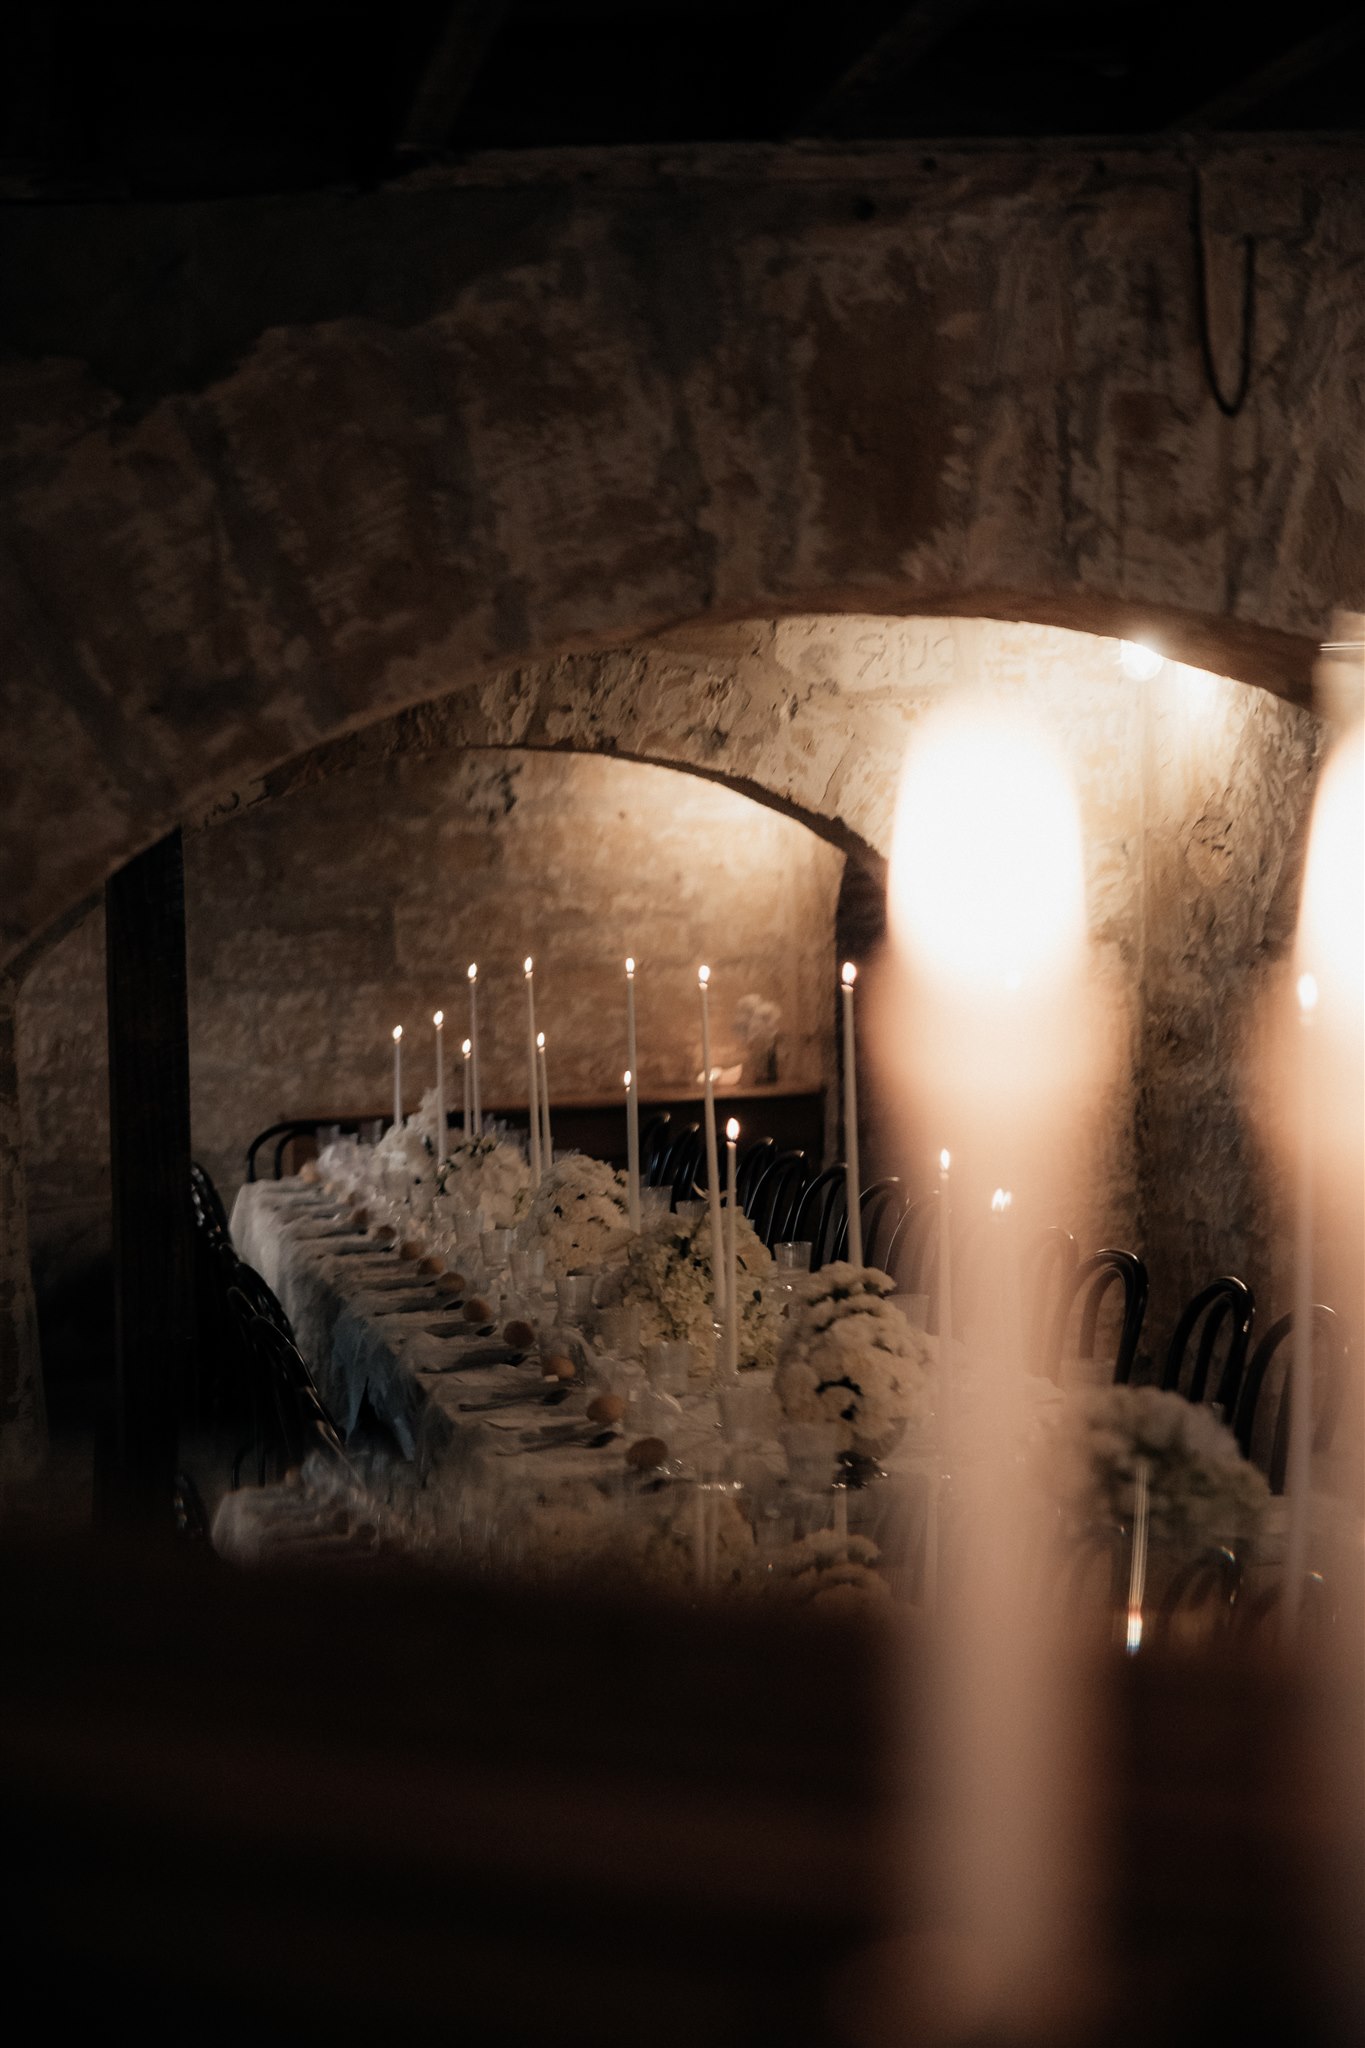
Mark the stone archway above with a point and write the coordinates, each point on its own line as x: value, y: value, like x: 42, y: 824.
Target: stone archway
x: 438, y: 431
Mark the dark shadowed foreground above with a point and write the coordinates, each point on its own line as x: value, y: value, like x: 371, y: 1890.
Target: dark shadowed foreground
x: 349, y: 1809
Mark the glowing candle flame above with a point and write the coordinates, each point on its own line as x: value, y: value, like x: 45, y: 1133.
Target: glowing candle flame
x: 1139, y: 661
x: 945, y: 1160
x: 397, y: 1033
x: 467, y: 1048
x: 703, y: 976
x: 473, y: 970
x: 986, y: 886
x: 540, y: 1041
x: 627, y: 1077
x: 732, y: 1129
x: 528, y: 967
x: 439, y: 1019
x: 1308, y: 994
x: 630, y: 967
x: 1001, y: 1200
x: 850, y: 974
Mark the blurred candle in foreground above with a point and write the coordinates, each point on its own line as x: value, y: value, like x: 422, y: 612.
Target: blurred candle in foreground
x: 852, y: 1173
x: 731, y: 1249
x: 1299, y: 1469
x: 981, y: 1037
x: 476, y: 1095
x: 632, y: 1102
x: 398, y: 1073
x: 532, y: 1081
x: 467, y: 1049
x: 440, y: 1147
x: 712, y: 1160
x: 546, y: 1146
x: 947, y: 1384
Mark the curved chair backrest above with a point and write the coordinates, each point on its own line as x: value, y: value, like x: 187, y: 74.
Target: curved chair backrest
x: 1089, y: 1284
x: 820, y: 1212
x: 1265, y: 1393
x: 880, y: 1208
x: 1224, y: 1306
x: 775, y: 1198
x: 687, y: 1164
x: 752, y: 1168
x: 654, y: 1148
x: 912, y: 1255
x: 302, y: 1422
x: 209, y: 1213
x: 1049, y: 1264
x: 250, y: 1296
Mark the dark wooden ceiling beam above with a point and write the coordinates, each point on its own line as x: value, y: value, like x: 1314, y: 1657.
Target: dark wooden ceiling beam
x: 882, y: 63
x: 448, y: 80
x: 1235, y: 102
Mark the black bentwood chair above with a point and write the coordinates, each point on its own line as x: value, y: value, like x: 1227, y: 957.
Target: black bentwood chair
x: 687, y: 1165
x: 1088, y: 1285
x: 822, y: 1210
x: 1261, y: 1422
x: 1225, y: 1307
x: 880, y: 1208
x: 654, y: 1148
x: 775, y: 1199
x: 752, y: 1168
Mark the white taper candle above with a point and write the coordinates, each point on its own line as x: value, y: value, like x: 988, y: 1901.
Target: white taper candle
x: 547, y: 1152
x: 532, y: 1083
x: 853, y: 1177
x: 476, y: 1095
x: 398, y: 1073
x: 439, y: 1021
x: 632, y: 1102
x: 712, y: 1160
x: 731, y: 1249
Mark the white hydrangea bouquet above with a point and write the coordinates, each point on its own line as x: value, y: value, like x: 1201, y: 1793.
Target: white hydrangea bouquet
x: 578, y: 1215
x: 489, y: 1174
x: 668, y: 1275
x: 1200, y: 1488
x: 850, y: 1359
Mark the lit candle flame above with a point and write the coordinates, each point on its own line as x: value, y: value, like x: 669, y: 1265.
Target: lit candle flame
x: 703, y: 976
x: 630, y: 967
x: 473, y: 970
x: 468, y: 1047
x: 439, y: 1019
x: 1139, y: 661
x: 1001, y: 1200
x: 945, y: 1160
x: 1308, y: 994
x: 627, y: 1077
x: 540, y: 1041
x: 732, y: 1129
x: 850, y: 974
x: 397, y: 1033
x: 528, y: 966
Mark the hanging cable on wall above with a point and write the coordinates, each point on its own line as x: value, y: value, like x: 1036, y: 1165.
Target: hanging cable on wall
x: 1229, y: 407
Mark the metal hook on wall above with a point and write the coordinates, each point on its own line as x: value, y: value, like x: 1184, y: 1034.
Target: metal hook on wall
x: 1229, y: 407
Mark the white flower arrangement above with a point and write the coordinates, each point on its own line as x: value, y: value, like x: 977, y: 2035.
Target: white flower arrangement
x: 850, y: 1359
x: 668, y: 1274
x: 489, y: 1174
x: 578, y: 1215
x: 1200, y: 1487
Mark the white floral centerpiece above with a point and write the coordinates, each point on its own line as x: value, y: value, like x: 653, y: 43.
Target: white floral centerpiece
x: 668, y: 1276
x: 851, y: 1360
x: 489, y: 1174
x: 831, y: 1572
x: 578, y: 1215
x: 1200, y: 1487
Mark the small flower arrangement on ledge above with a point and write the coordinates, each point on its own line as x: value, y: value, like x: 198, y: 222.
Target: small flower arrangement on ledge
x: 1200, y: 1487
x: 851, y: 1360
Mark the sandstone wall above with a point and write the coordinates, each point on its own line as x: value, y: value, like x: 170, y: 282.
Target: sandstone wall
x: 272, y: 468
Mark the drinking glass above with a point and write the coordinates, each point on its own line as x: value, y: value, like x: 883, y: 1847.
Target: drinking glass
x: 496, y: 1246
x: 574, y: 1291
x: 792, y: 1256
x: 669, y: 1366
x: 619, y: 1329
x: 528, y: 1272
